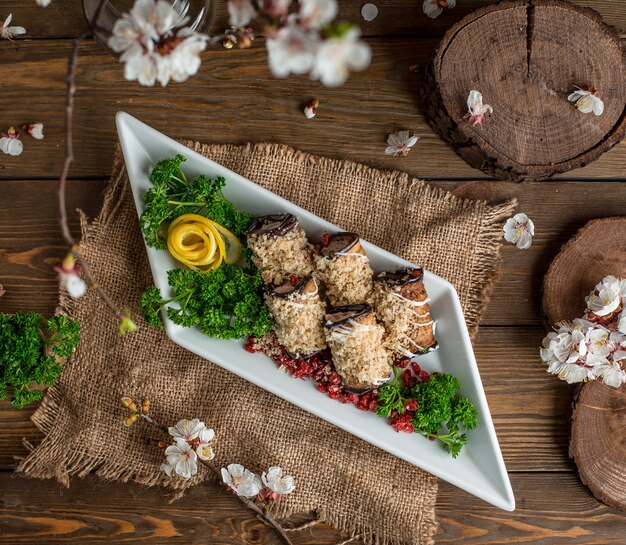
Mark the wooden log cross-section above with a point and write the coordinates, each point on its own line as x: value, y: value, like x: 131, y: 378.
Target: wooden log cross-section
x: 598, y: 439
x: 526, y: 57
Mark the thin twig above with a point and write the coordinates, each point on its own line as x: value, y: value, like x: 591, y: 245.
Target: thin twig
x: 69, y: 157
x: 263, y: 515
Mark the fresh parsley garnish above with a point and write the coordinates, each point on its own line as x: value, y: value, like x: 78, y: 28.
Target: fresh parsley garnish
x: 30, y: 351
x: 226, y: 303
x: 441, y: 408
x: 173, y: 195
x: 441, y: 412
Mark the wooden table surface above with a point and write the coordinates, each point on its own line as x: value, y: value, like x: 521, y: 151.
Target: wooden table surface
x: 235, y: 99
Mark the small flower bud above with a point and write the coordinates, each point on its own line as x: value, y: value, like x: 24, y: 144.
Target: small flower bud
x: 310, y: 110
x: 131, y: 419
x: 145, y: 405
x: 126, y: 323
x: 228, y: 43
x: 130, y: 404
x: 163, y: 444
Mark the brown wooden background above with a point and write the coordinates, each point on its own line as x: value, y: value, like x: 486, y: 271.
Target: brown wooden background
x: 235, y: 99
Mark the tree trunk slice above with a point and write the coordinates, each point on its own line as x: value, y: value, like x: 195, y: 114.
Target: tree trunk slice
x: 598, y: 438
x: 598, y: 443
x: 525, y: 57
x: 597, y: 250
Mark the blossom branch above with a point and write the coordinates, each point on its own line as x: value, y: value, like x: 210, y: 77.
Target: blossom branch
x: 262, y: 514
x: 69, y: 158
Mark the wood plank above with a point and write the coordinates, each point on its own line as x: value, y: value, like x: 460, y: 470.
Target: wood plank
x: 64, y: 18
x: 553, y: 509
x: 233, y: 99
x: 530, y: 408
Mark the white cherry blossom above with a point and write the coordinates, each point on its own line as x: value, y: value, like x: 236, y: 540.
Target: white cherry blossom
x: 476, y: 110
x: 292, y: 49
x: 241, y: 12
x: 241, y: 481
x: 10, y: 142
x: 7, y: 32
x: 434, y: 8
x: 180, y: 459
x: 277, y: 482
x: 73, y: 284
x: 43, y: 3
x: 400, y: 143
x: 337, y: 56
x: 587, y: 101
x: 519, y: 230
x: 190, y: 430
x: 317, y: 13
x: 607, y: 297
x: 151, y: 48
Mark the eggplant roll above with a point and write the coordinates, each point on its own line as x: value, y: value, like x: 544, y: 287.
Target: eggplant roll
x: 355, y: 339
x: 280, y: 248
x: 401, y: 303
x: 344, y: 268
x: 299, y: 315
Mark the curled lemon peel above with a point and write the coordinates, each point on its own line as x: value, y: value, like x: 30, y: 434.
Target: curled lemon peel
x: 200, y: 243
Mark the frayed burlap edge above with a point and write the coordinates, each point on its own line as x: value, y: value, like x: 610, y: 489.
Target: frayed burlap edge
x: 66, y: 463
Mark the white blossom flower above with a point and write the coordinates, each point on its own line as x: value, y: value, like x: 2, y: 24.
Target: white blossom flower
x: 400, y: 143
x: 241, y: 481
x: 564, y: 352
x: 151, y: 50
x: 612, y: 371
x: 277, y: 482
x: 43, y: 3
x: 519, y: 230
x: 205, y: 452
x: 69, y: 277
x: 276, y: 8
x: 598, y: 344
x: 317, y: 13
x: 241, y: 12
x: 621, y: 322
x: 7, y: 32
x: 434, y: 8
x: 586, y: 100
x: 181, y: 459
x: 336, y: 56
x: 10, y: 142
x: 582, y: 350
x: 606, y: 300
x: 190, y: 430
x: 291, y: 50
x: 73, y: 284
x: 476, y: 110
x: 35, y: 130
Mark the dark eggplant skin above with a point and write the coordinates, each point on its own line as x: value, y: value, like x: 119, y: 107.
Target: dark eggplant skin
x: 346, y: 313
x: 273, y: 224
x: 401, y: 277
x: 307, y: 284
x: 341, y: 242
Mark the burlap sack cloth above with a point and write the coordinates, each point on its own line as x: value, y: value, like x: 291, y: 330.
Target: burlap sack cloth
x: 350, y: 484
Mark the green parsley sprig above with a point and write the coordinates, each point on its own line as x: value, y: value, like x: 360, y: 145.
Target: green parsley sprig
x: 442, y: 413
x: 226, y: 303
x: 173, y: 195
x: 30, y: 351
